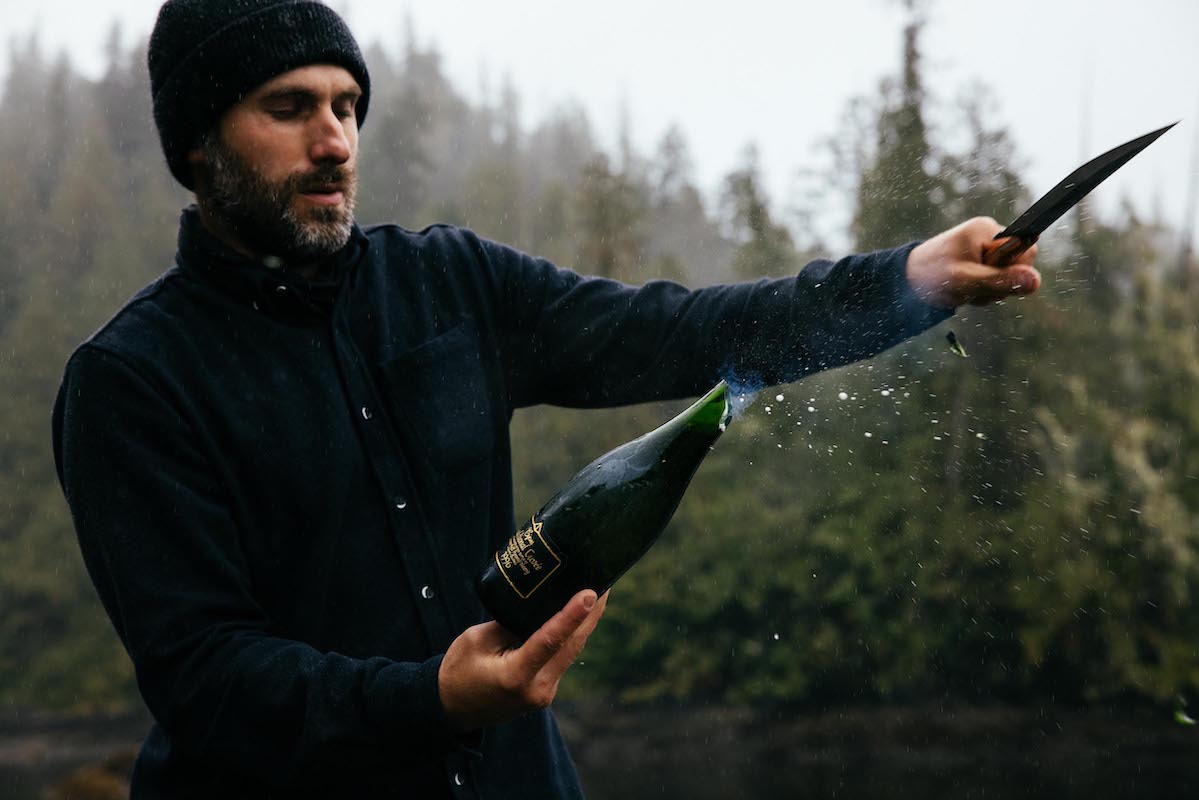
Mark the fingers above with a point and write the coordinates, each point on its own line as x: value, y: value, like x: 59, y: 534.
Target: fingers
x: 1003, y: 252
x: 974, y: 235
x: 554, y: 635
x: 979, y: 284
x: 985, y: 227
x: 482, y: 680
x: 950, y: 269
x: 570, y: 651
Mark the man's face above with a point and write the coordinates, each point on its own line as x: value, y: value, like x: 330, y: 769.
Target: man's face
x: 279, y: 175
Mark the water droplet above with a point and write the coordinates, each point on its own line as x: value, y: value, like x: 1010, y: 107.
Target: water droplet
x: 776, y: 637
x: 980, y: 436
x: 778, y: 397
x: 886, y: 392
x: 811, y: 408
x: 842, y: 396
x: 869, y: 434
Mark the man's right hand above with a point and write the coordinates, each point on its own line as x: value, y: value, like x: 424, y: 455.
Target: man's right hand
x: 485, y: 678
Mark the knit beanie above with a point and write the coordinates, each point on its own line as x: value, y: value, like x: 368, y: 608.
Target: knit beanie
x: 206, y: 55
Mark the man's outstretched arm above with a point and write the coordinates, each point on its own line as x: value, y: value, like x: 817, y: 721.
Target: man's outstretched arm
x: 578, y: 341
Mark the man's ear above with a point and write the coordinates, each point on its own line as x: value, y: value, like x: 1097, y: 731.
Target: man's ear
x: 197, y: 166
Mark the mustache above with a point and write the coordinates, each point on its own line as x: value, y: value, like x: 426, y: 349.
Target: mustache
x: 332, y: 175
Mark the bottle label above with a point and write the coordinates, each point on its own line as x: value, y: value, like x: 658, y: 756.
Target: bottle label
x: 528, y: 560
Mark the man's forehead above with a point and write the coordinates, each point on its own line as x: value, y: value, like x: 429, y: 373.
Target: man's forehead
x: 316, y: 78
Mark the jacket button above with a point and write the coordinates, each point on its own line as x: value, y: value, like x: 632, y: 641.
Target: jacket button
x: 457, y: 778
x: 426, y: 592
x: 400, y: 502
x: 280, y: 289
x: 366, y: 413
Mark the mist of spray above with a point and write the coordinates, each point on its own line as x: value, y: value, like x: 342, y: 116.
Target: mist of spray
x: 743, y: 391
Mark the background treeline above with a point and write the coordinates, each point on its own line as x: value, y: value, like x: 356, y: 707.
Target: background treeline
x: 1017, y: 526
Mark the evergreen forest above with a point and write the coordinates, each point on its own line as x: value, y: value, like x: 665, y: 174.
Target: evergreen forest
x: 1018, y: 526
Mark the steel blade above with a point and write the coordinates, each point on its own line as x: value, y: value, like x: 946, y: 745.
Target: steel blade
x: 1077, y: 185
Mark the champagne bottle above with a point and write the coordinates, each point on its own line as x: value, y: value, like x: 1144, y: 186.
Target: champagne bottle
x: 602, y: 521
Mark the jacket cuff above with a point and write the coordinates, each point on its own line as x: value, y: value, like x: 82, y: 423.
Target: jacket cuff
x: 442, y: 729
x: 409, y: 712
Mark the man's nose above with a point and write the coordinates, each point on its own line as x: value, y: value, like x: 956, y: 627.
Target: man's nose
x: 329, y: 139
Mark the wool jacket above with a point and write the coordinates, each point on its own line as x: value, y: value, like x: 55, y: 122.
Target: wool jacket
x: 283, y: 490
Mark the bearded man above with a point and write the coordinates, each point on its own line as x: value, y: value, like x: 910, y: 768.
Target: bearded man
x: 287, y: 456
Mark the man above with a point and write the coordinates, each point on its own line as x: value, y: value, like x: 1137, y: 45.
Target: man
x: 288, y: 456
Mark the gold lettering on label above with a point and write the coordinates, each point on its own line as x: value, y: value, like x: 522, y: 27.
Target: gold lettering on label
x: 529, y: 552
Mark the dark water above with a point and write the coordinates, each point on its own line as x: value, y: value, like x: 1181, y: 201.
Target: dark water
x: 899, y: 776
x: 718, y: 754
x: 904, y: 754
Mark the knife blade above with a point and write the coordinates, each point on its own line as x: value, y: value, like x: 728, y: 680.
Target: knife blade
x: 1028, y: 227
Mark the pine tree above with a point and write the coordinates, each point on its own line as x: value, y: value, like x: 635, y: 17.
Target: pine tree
x: 764, y: 246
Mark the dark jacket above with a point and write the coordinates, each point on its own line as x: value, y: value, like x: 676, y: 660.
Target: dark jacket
x: 283, y: 491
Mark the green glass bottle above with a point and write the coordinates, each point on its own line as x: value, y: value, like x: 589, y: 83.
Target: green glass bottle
x: 602, y: 521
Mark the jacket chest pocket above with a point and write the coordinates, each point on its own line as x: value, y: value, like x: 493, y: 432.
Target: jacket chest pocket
x: 438, y: 394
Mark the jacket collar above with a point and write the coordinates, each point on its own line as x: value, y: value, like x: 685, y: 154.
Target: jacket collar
x: 206, y: 258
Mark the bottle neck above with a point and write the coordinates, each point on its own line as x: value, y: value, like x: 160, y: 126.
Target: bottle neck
x: 692, y: 432
x: 707, y: 415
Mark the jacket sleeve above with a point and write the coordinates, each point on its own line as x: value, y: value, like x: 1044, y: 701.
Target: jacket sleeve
x: 160, y: 545
x: 582, y: 341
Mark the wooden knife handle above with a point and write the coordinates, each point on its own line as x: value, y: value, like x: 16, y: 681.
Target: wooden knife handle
x: 1006, y: 251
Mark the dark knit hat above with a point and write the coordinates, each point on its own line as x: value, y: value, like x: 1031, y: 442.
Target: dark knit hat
x: 205, y: 55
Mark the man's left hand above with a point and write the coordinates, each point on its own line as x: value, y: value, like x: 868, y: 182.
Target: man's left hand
x: 948, y: 270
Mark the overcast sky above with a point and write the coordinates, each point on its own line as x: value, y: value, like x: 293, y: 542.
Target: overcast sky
x: 779, y: 73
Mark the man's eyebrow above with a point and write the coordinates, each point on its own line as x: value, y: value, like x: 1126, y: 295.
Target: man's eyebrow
x: 307, y: 95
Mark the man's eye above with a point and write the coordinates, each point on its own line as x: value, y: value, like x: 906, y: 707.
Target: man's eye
x: 283, y: 113
x: 345, y: 113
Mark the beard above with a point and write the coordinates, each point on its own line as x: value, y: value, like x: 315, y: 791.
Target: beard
x: 263, y: 213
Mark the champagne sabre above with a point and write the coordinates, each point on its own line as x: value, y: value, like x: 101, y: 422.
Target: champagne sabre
x: 1028, y: 227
